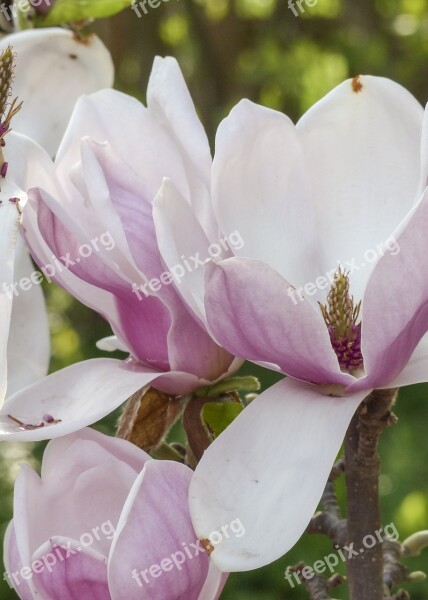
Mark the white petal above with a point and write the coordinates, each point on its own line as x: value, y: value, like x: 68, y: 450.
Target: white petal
x: 179, y: 236
x: 111, y: 344
x: 28, y: 349
x: 53, y: 68
x: 9, y: 220
x: 78, y: 395
x: 268, y: 470
x: 260, y: 189
x: 169, y: 101
x: 363, y: 150
x: 29, y: 164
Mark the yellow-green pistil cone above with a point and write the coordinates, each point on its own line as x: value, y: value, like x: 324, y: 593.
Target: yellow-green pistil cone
x: 341, y: 316
x: 7, y: 109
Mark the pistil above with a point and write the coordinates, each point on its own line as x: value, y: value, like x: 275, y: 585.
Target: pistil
x: 341, y: 316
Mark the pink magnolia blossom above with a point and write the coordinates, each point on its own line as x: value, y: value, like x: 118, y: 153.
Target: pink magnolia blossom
x: 105, y: 521
x: 345, y: 186
x: 108, y: 170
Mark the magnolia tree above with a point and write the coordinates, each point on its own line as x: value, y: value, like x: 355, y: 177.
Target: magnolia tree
x: 199, y: 263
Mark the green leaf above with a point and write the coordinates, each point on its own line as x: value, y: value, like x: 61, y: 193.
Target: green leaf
x: 70, y: 11
x: 242, y: 384
x: 219, y: 415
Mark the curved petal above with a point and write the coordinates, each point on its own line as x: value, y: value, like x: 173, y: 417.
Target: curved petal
x: 96, y: 298
x: 180, y: 236
x: 78, y: 395
x: 111, y: 344
x: 254, y: 313
x: 214, y: 584
x: 259, y: 187
x: 121, y: 450
x: 9, y: 221
x: 67, y: 67
x: 136, y: 137
x: 395, y: 305
x: 362, y: 143
x: 179, y: 383
x: 143, y: 320
x: 27, y: 490
x: 152, y: 554
x: 28, y: 349
x: 13, y: 565
x: 169, y: 101
x: 416, y: 370
x: 76, y: 573
x: 191, y: 349
x: 29, y: 165
x: 270, y: 490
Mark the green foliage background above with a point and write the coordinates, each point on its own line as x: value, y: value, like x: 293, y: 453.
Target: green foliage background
x: 257, y: 48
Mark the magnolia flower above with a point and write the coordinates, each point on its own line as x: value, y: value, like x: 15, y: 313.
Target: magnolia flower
x: 92, y: 527
x: 93, y: 233
x: 25, y: 332
x: 53, y: 68
x: 333, y: 211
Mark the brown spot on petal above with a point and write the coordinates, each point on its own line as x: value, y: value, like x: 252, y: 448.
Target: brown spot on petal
x: 357, y: 86
x: 73, y: 56
x: 207, y: 546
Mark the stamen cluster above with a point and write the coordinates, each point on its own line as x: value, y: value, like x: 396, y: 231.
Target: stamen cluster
x: 341, y: 316
x: 7, y: 109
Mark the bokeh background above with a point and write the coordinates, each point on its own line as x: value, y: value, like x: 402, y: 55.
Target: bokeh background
x: 259, y: 49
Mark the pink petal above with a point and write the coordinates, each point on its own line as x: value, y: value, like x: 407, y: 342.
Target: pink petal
x: 254, y: 313
x: 75, y: 575
x: 136, y: 136
x: 151, y: 534
x: 53, y: 457
x: 13, y: 565
x: 395, y: 306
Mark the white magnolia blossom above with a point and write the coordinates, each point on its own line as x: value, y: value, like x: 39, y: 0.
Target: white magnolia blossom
x: 52, y: 70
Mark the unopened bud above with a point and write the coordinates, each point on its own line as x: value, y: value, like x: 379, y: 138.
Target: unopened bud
x: 417, y: 576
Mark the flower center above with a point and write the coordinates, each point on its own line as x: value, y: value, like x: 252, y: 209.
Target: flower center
x: 341, y: 316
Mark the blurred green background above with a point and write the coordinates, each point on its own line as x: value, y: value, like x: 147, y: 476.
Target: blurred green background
x: 258, y: 48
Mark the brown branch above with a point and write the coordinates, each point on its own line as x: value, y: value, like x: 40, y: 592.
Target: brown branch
x: 329, y: 521
x: 365, y: 570
x: 318, y: 586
